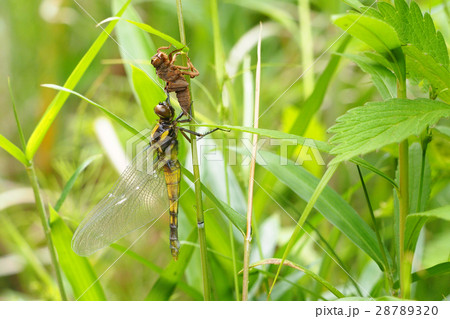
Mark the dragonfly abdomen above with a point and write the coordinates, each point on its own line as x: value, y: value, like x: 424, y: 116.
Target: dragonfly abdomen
x: 172, y: 174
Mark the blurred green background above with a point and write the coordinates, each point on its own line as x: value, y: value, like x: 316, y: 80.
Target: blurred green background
x: 42, y: 41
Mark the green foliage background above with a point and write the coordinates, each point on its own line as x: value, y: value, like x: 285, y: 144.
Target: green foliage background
x: 305, y: 87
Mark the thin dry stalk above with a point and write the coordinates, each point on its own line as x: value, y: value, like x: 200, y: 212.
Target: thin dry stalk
x: 248, y: 236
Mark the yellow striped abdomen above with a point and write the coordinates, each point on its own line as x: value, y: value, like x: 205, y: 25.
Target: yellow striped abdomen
x: 172, y: 174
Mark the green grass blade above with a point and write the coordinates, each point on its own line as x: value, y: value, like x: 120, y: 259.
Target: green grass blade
x: 189, y: 290
x: 177, y: 44
x: 134, y: 44
x: 424, y: 66
x: 167, y: 282
x: 57, y: 103
x: 237, y: 219
x: 19, y: 127
x: 111, y: 115
x: 383, y: 298
x: 363, y: 163
x: 72, y: 180
x: 298, y: 230
x: 355, y: 4
x: 415, y: 222
x: 148, y: 92
x: 322, y: 281
x: 24, y: 249
x: 137, y: 47
x: 77, y: 269
x: 314, y: 101
x: 13, y: 150
x: 320, y: 145
x: 219, y: 60
x: 330, y: 204
x: 443, y: 130
x: 436, y: 270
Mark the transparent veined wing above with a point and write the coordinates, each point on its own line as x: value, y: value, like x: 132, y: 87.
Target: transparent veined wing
x: 138, y: 197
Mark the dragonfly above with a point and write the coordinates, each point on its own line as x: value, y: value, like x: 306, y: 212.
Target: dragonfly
x: 145, y: 190
x: 173, y: 75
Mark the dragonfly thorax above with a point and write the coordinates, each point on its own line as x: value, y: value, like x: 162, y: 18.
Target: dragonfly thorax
x: 165, y: 111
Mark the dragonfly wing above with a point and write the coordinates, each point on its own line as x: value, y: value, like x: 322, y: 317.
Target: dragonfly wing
x: 138, y: 197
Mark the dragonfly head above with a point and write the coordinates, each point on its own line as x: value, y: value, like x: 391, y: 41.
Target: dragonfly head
x: 165, y: 111
x: 158, y: 59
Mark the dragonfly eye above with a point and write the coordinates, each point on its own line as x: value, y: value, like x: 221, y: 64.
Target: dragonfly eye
x: 164, y: 111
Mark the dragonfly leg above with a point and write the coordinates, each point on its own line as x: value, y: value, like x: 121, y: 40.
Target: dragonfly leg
x: 182, y: 129
x: 163, y: 48
x: 202, y: 135
x: 193, y: 72
x: 174, y: 57
x: 186, y: 137
x: 212, y: 131
x: 185, y: 120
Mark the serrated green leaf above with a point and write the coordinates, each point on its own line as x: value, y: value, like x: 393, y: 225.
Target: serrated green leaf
x: 367, y: 128
x: 77, y: 269
x: 149, y: 93
x: 167, y: 282
x: 332, y: 206
x: 374, y: 32
x: 413, y: 28
x: 422, y: 65
x: 425, y: 48
x: 378, y: 58
x: 57, y: 103
x: 13, y: 150
x: 383, y: 79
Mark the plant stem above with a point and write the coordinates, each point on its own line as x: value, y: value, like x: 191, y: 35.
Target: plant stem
x: 46, y: 225
x: 248, y: 236
x: 230, y: 225
x: 304, y: 13
x: 403, y: 194
x: 197, y: 184
x: 39, y: 204
x: 387, y: 268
